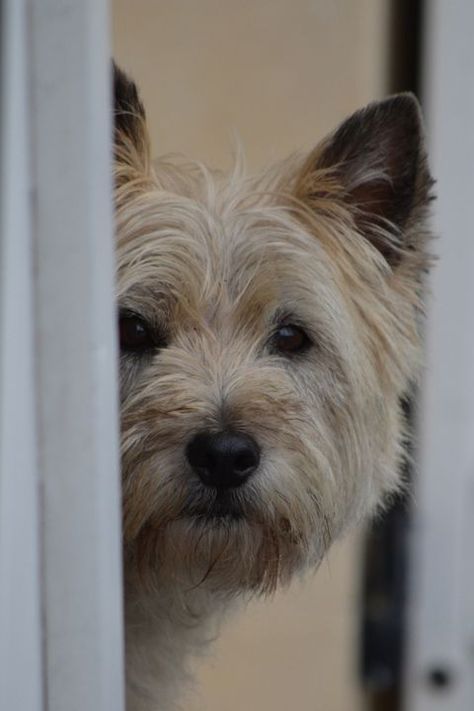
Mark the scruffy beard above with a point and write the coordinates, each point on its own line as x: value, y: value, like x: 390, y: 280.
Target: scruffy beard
x: 227, y: 544
x: 224, y: 555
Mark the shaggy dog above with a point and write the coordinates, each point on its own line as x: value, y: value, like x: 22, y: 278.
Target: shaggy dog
x: 269, y: 328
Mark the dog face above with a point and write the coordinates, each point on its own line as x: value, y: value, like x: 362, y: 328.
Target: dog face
x: 268, y: 330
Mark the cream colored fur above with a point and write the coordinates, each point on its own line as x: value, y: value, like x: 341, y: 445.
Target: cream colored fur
x: 214, y: 263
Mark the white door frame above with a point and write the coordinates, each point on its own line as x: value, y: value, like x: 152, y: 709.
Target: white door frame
x: 440, y: 649
x: 60, y: 546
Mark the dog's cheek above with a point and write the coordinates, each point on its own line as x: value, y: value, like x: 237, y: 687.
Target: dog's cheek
x: 344, y: 452
x: 131, y: 368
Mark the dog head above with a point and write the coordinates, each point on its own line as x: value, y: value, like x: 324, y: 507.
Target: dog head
x: 268, y: 330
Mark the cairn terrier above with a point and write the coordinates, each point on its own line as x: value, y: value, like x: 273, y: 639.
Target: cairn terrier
x: 269, y: 328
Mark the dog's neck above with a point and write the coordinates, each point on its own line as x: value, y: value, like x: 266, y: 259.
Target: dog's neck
x: 165, y: 630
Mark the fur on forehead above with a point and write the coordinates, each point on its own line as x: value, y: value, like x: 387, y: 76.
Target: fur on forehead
x: 191, y: 224
x: 241, y: 247
x: 224, y: 248
x: 212, y: 223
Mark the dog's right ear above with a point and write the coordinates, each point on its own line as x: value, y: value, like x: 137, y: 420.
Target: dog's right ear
x: 131, y: 140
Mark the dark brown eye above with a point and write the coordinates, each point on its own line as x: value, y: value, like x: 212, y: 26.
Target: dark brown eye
x: 290, y: 339
x: 134, y: 334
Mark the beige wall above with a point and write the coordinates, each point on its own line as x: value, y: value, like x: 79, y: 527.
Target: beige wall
x: 280, y: 73
x: 295, y: 653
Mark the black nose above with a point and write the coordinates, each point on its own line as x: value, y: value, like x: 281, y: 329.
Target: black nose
x: 223, y: 460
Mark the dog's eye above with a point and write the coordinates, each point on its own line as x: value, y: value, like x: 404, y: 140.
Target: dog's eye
x: 134, y: 334
x: 290, y: 339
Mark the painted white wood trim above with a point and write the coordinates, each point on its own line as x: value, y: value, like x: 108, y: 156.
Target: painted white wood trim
x: 76, y: 355
x: 20, y: 629
x: 441, y: 617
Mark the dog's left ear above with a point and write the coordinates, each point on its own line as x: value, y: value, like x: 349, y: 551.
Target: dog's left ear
x: 131, y: 140
x: 375, y: 162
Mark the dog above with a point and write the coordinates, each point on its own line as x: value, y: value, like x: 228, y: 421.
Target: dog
x: 269, y: 331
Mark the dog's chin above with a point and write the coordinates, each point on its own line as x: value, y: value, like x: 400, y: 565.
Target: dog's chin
x: 222, y: 508
x: 221, y: 548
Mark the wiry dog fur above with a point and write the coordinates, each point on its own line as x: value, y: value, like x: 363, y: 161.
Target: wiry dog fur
x: 332, y: 242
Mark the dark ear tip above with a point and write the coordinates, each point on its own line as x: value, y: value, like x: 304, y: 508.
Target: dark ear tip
x: 126, y: 98
x: 402, y: 109
x: 405, y: 101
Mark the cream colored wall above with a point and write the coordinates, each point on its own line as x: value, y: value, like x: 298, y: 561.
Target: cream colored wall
x: 296, y: 653
x: 280, y: 73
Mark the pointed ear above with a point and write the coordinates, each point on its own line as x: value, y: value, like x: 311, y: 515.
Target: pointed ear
x: 131, y: 140
x: 375, y: 163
